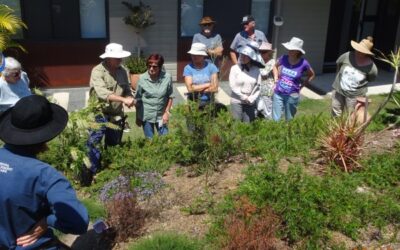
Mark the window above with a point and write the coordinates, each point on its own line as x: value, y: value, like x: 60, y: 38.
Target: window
x: 191, y: 13
x: 64, y: 19
x: 93, y: 24
x: 260, y: 10
x: 228, y: 22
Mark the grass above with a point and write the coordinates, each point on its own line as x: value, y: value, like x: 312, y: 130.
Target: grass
x: 167, y: 241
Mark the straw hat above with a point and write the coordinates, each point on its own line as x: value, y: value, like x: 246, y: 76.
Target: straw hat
x: 207, y: 20
x: 365, y: 46
x: 295, y: 44
x: 199, y: 49
x: 115, y: 50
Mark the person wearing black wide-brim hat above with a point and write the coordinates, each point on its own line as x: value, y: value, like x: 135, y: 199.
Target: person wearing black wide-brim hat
x: 33, y: 195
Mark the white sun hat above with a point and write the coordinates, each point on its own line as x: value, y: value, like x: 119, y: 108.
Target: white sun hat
x: 198, y: 49
x: 295, y: 44
x: 115, y: 50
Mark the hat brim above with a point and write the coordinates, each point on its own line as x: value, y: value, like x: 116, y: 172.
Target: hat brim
x: 361, y: 48
x: 288, y: 46
x: 254, y: 57
x: 208, y: 22
x: 119, y: 55
x: 197, y: 53
x: 16, y: 136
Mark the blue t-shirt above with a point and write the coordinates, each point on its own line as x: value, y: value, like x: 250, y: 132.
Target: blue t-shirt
x: 242, y: 38
x: 201, y: 76
x: 289, y: 80
x: 31, y: 190
x: 10, y: 93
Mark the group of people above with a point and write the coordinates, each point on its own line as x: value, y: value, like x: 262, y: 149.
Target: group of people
x: 261, y: 86
x: 34, y: 196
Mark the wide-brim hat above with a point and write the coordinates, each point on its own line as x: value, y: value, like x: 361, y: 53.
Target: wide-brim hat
x: 365, y: 46
x: 253, y: 54
x: 198, y: 49
x: 295, y: 43
x: 33, y: 120
x: 265, y: 46
x: 207, y: 20
x: 115, y: 50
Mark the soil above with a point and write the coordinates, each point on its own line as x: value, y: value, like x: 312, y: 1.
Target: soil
x: 167, y: 208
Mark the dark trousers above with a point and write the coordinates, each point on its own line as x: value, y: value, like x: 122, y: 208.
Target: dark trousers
x: 111, y: 136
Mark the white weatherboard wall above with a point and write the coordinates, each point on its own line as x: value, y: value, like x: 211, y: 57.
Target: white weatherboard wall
x: 160, y: 38
x: 308, y: 20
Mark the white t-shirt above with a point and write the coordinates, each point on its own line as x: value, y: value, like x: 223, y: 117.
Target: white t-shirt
x: 244, y: 84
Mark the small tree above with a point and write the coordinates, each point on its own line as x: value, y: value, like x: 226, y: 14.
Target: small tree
x: 141, y: 17
x: 10, y: 24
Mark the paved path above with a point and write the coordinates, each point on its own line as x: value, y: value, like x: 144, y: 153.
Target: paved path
x: 76, y: 98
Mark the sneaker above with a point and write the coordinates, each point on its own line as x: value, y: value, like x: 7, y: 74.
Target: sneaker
x: 127, y: 128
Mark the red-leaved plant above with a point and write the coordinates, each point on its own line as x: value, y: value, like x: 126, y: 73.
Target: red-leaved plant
x: 342, y: 143
x: 251, y: 228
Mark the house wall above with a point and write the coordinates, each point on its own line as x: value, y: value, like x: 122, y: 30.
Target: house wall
x: 308, y: 20
x: 159, y: 38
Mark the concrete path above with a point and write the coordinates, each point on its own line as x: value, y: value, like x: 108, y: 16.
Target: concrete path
x: 76, y: 98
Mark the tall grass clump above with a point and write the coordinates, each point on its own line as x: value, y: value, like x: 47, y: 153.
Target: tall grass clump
x: 167, y: 241
x: 342, y: 144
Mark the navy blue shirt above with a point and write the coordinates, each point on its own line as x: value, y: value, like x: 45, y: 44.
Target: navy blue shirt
x: 31, y: 190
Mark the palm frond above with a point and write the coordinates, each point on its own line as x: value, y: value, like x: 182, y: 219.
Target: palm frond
x: 8, y: 21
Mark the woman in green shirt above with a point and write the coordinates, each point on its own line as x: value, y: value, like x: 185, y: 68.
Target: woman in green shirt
x: 154, y: 96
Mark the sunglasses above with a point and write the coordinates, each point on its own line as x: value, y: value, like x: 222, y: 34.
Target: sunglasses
x: 207, y: 24
x: 153, y: 66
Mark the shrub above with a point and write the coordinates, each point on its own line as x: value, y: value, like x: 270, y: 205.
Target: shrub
x: 136, y: 64
x: 124, y: 215
x: 342, y: 143
x: 166, y: 241
x: 250, y: 228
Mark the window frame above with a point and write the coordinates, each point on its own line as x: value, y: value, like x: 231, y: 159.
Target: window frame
x: 250, y: 3
x: 53, y: 39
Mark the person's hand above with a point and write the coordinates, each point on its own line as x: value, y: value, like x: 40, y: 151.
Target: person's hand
x: 165, y: 117
x: 129, y: 101
x: 33, y: 235
x: 139, y: 122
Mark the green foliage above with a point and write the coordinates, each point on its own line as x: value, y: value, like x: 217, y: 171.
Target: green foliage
x: 68, y: 153
x: 141, y: 15
x: 136, y: 64
x: 167, y: 241
x: 312, y: 206
x: 96, y: 209
x: 10, y: 24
